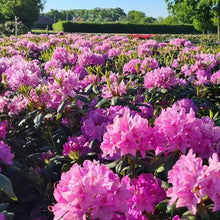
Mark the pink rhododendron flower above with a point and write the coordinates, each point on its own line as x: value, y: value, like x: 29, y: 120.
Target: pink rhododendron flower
x: 185, y: 103
x: 94, y: 124
x: 209, y: 185
x: 91, y: 190
x: 149, y: 64
x: 76, y: 147
x: 115, y: 86
x: 87, y: 57
x: 5, y: 153
x: 2, y: 217
x: 3, y: 129
x: 21, y: 72
x: 176, y: 129
x: 163, y: 77
x: 132, y: 67
x: 146, y: 193
x: 61, y: 54
x: 127, y: 135
x: 184, y: 177
x: 215, y: 78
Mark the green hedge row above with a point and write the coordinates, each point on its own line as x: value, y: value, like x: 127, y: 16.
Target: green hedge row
x: 71, y: 27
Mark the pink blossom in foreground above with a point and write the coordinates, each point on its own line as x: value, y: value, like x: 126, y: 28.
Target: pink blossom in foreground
x: 127, y: 135
x: 5, y: 153
x: 209, y: 185
x: 184, y: 177
x: 146, y: 193
x: 91, y: 190
x: 192, y: 182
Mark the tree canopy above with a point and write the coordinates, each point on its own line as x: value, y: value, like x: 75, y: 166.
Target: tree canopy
x: 100, y: 15
x: 200, y: 13
x: 26, y: 10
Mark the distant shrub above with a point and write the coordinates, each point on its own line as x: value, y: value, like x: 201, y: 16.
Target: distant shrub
x: 72, y: 27
x: 8, y: 28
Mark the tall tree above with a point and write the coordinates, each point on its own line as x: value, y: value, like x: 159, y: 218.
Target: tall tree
x: 26, y: 10
x: 134, y: 16
x: 198, y: 12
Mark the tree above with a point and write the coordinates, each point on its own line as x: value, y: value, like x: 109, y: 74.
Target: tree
x: 26, y: 10
x: 134, y: 16
x: 200, y: 13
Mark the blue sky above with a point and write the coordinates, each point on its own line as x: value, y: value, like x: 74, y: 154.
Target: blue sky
x: 152, y: 8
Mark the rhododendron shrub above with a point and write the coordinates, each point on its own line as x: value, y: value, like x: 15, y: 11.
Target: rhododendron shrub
x: 124, y: 127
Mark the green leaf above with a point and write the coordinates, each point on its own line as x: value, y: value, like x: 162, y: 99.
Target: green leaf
x: 188, y: 216
x: 115, y: 100
x: 102, y: 103
x: 82, y: 98
x: 88, y: 89
x: 61, y: 107
x: 95, y: 89
x: 112, y: 164
x: 39, y: 119
x: 26, y: 117
x: 6, y: 187
x: 3, y: 206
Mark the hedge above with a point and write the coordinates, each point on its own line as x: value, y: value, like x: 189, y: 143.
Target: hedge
x: 72, y: 27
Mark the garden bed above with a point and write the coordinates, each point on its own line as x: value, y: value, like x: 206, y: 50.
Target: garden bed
x: 109, y: 127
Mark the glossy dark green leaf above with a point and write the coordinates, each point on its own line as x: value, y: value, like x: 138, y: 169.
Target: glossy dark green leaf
x: 3, y: 206
x: 26, y: 117
x: 82, y: 98
x: 102, y: 103
x: 61, y: 107
x: 39, y: 119
x: 6, y: 187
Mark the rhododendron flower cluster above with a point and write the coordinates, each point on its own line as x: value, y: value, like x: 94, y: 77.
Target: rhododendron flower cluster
x: 20, y: 72
x: 94, y: 124
x: 5, y: 153
x: 92, y: 191
x: 191, y: 182
x: 128, y: 135
x: 178, y: 130
x: 146, y: 193
x: 87, y: 57
x: 132, y: 67
x: 3, y: 129
x: 76, y: 147
x: 115, y: 86
x: 215, y: 78
x: 163, y: 77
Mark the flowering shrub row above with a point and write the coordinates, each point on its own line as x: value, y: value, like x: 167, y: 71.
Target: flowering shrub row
x: 108, y: 127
